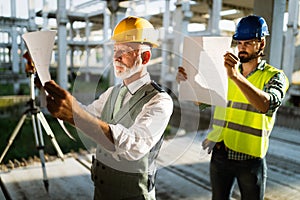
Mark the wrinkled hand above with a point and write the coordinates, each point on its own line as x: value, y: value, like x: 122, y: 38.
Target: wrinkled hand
x: 181, y: 75
x: 29, y: 68
x: 209, y: 145
x: 231, y: 64
x: 60, y: 102
x: 62, y: 105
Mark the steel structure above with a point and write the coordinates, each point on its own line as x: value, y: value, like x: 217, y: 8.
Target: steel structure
x: 83, y: 32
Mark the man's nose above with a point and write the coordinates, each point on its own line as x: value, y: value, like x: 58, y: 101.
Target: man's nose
x: 117, y: 56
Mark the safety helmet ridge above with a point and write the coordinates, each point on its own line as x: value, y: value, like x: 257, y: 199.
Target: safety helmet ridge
x: 251, y: 27
x: 135, y: 29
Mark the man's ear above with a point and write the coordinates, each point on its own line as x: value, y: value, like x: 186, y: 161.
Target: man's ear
x: 262, y: 44
x: 146, y: 57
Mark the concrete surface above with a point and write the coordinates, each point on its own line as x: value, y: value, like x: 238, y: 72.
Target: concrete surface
x: 183, y: 172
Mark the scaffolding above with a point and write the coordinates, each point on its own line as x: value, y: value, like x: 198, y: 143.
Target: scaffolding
x: 83, y: 32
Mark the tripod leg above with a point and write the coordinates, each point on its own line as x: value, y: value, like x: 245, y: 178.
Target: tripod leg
x: 40, y: 146
x: 49, y: 132
x: 13, y: 135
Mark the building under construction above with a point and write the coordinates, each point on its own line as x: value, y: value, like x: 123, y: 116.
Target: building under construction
x: 84, y: 28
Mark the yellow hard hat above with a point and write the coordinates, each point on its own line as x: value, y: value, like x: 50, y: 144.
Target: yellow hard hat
x: 135, y: 29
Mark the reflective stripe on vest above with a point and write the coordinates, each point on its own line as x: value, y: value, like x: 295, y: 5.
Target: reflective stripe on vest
x: 239, y: 127
x: 242, y: 106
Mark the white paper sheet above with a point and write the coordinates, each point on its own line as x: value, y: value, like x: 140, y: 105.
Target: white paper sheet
x: 203, y: 62
x: 40, y: 45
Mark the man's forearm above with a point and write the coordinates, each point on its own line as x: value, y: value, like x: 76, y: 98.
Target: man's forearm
x: 93, y: 127
x: 257, y: 98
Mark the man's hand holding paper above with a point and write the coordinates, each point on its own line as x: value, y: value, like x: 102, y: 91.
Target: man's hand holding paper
x: 203, y: 64
x: 231, y: 64
x: 40, y: 45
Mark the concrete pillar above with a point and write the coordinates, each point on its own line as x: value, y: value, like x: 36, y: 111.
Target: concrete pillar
x: 215, y: 17
x: 72, y: 47
x: 265, y: 9
x: 23, y: 50
x: 292, y: 31
x: 107, y: 57
x: 62, y: 71
x: 164, y: 47
x: 15, y: 58
x: 276, y: 31
x: 116, y: 16
x: 87, y: 48
x: 31, y: 13
x: 112, y: 78
x: 45, y: 15
x: 182, y: 18
x: 14, y: 45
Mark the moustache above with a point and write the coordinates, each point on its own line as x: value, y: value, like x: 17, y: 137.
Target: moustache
x: 119, y: 64
x: 242, y: 52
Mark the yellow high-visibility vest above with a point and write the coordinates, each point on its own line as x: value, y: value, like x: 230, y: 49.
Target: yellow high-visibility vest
x: 243, y: 128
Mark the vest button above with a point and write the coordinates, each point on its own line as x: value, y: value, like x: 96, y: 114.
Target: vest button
x: 103, y: 167
x: 95, y: 177
x: 101, y: 181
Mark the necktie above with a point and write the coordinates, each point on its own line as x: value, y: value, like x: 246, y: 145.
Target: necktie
x: 120, y: 99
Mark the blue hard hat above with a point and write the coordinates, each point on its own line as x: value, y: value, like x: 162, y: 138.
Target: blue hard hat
x: 251, y: 27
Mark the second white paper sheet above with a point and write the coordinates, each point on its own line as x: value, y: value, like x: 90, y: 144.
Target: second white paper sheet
x: 203, y: 62
x: 40, y: 45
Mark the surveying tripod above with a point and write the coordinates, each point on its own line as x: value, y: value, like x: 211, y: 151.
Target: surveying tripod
x: 37, y: 118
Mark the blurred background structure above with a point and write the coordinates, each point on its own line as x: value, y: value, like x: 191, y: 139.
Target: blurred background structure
x: 85, y: 26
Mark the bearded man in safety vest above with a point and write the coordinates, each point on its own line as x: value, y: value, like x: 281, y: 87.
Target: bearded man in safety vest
x: 127, y: 121
x: 240, y: 136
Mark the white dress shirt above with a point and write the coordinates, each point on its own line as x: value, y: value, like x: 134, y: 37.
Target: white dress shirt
x: 136, y: 141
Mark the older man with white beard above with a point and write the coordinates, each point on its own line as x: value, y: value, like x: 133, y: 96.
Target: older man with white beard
x: 128, y: 129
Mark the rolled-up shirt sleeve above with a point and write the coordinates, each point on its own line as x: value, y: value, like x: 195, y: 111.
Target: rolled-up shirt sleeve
x: 276, y: 87
x: 136, y: 141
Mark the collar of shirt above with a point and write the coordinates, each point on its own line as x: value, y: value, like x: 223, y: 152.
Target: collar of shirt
x: 260, y: 66
x: 135, y: 85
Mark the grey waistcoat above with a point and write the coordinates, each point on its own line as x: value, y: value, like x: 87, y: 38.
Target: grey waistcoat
x: 125, y: 179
